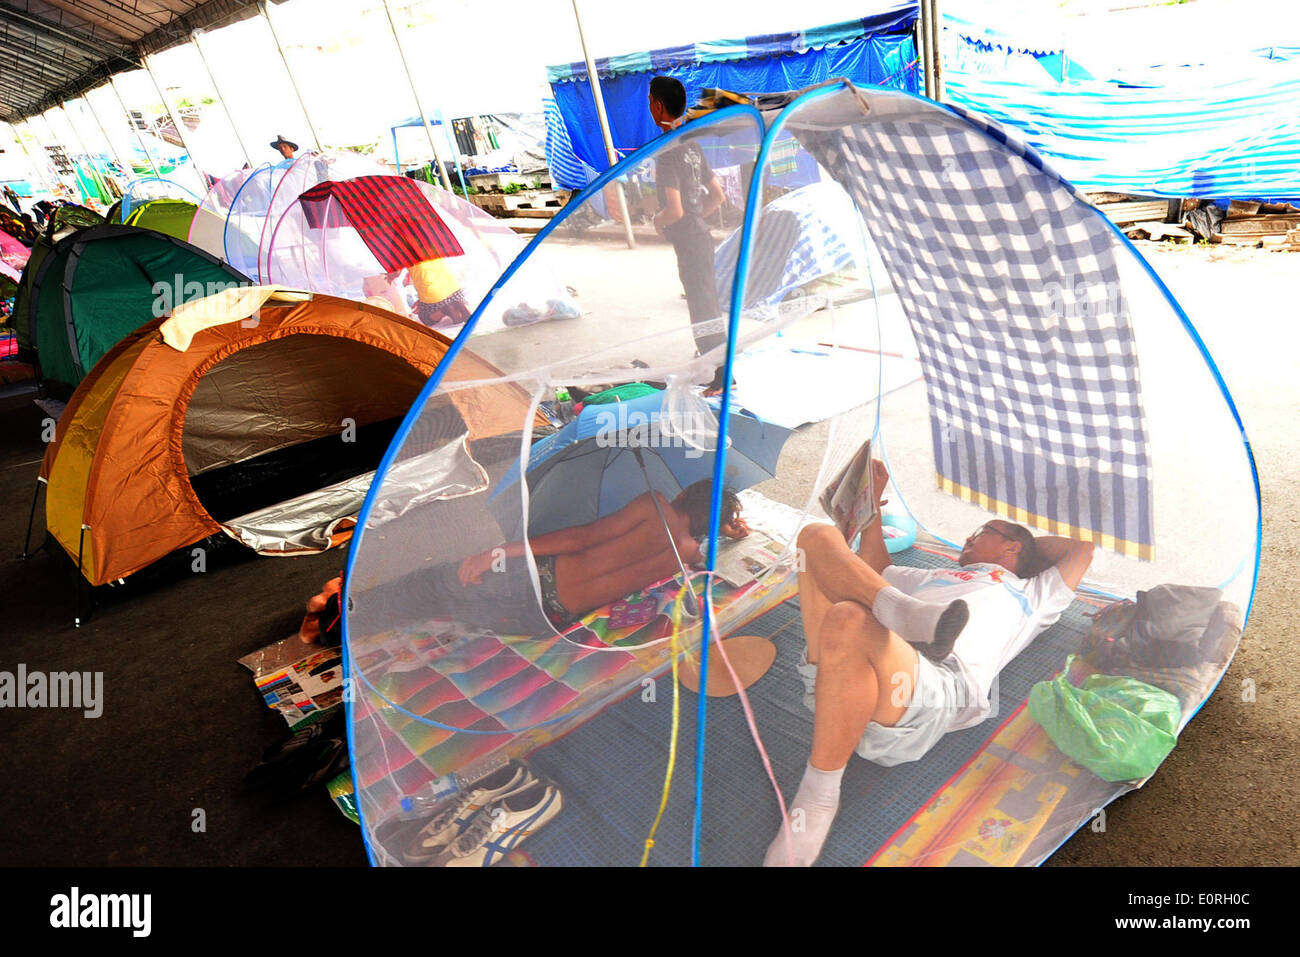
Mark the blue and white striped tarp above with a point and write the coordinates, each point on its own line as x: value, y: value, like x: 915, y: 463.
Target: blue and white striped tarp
x: 567, y: 170
x: 808, y: 233
x: 1234, y: 140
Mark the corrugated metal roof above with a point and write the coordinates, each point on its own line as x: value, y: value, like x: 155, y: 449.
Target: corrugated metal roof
x: 55, y: 50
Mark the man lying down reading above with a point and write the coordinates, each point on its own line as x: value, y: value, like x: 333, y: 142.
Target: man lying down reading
x: 581, y: 568
x: 898, y: 657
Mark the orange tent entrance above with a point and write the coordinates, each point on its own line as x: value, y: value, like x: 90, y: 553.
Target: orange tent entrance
x: 263, y: 423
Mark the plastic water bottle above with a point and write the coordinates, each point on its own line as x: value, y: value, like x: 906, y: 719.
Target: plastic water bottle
x: 563, y: 403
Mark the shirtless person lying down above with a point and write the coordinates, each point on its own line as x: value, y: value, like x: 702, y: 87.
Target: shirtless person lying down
x: 583, y: 567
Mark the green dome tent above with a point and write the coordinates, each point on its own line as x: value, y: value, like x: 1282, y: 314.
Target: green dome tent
x: 97, y: 285
x: 170, y: 216
x: 65, y: 221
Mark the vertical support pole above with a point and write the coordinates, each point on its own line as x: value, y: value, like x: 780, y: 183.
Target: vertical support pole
x: 923, y: 46
x: 112, y: 82
x: 126, y: 168
x: 266, y: 15
x: 424, y: 117
x: 175, y: 118
x: 49, y: 132
x: 936, y: 31
x: 194, y: 37
x: 94, y: 173
x: 38, y: 168
x: 604, y: 126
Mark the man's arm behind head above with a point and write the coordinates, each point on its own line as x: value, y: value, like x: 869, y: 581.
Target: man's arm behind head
x: 1069, y: 557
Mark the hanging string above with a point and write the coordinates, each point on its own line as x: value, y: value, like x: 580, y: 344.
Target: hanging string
x: 672, y: 740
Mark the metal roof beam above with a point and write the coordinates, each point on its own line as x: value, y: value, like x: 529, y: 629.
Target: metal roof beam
x: 96, y: 48
x: 62, y: 72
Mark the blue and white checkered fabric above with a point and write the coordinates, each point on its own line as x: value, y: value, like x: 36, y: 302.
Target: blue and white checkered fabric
x: 1013, y: 295
x: 808, y: 233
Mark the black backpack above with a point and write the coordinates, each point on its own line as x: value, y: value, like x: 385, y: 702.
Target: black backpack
x: 1168, y: 626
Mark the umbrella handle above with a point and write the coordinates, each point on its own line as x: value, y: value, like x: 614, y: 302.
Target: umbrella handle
x: 693, y: 607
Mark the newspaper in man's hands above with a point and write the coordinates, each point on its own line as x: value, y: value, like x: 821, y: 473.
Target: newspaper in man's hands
x: 850, y: 498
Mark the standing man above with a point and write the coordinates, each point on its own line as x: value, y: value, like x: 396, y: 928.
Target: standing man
x: 689, y: 193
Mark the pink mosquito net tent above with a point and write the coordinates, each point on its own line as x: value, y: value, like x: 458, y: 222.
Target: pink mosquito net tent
x: 409, y: 247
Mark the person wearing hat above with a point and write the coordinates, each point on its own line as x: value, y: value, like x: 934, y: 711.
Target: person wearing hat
x: 285, y: 147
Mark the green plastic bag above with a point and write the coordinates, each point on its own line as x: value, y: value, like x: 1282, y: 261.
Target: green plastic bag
x: 1118, y: 728
x: 622, y: 393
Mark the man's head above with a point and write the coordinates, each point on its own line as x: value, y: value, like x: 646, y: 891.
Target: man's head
x: 1002, y: 543
x: 667, y: 100
x: 286, y: 148
x: 696, y: 503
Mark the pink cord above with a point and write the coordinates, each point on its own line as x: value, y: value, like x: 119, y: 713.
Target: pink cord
x: 753, y: 730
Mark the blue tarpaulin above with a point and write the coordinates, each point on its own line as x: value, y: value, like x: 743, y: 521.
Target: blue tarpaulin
x: 877, y: 49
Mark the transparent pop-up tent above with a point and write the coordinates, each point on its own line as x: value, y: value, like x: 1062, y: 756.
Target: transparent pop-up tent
x: 408, y: 247
x: 883, y: 267
x: 300, y: 175
x: 208, y: 229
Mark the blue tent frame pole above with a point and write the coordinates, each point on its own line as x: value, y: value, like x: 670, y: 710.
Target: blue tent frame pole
x: 424, y: 117
x: 397, y: 160
x: 604, y: 127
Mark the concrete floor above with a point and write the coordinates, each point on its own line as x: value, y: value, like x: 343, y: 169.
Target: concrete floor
x: 183, y: 724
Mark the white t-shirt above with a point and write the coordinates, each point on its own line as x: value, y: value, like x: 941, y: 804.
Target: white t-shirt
x: 1006, y: 613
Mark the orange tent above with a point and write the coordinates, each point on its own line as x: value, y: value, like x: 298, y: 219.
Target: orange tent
x: 153, y: 423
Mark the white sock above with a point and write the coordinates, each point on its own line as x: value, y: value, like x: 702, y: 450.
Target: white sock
x: 811, y: 813
x: 910, y: 618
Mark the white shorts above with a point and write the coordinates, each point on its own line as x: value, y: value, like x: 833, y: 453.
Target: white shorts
x: 935, y: 702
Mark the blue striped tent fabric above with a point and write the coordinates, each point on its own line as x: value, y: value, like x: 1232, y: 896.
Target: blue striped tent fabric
x: 1237, y: 139
x: 898, y: 16
x: 567, y: 170
x: 1013, y: 296
x: 797, y: 242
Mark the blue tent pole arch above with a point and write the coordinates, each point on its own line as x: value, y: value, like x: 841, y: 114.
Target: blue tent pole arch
x: 609, y: 175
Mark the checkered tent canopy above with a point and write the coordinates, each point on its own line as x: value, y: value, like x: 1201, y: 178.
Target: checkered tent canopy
x: 877, y: 267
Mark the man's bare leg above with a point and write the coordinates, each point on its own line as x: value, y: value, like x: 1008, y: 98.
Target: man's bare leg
x: 866, y: 674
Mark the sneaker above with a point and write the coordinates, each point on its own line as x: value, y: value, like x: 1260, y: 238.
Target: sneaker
x: 456, y: 812
x: 502, y: 826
